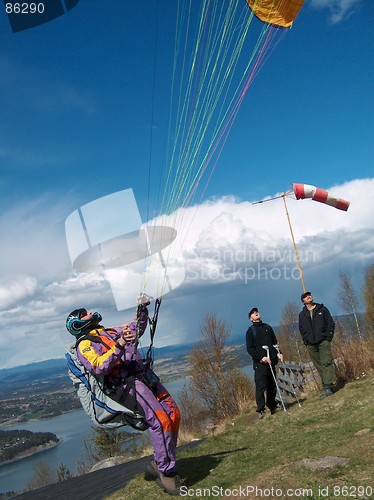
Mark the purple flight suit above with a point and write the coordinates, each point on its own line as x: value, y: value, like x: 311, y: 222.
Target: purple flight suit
x: 118, y: 363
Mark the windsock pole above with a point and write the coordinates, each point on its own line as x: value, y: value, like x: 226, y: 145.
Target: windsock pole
x: 294, y: 243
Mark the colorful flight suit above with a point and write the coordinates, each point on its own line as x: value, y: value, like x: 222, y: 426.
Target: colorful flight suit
x: 121, y: 365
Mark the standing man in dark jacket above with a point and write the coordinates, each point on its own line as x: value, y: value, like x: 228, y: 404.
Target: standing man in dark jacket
x: 258, y: 335
x: 317, y: 330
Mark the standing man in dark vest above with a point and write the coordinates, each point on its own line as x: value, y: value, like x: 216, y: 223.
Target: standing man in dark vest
x: 258, y: 335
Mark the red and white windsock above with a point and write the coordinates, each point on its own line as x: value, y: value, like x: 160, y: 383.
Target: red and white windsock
x: 307, y: 191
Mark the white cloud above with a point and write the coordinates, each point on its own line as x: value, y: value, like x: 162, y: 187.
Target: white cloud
x: 339, y: 9
x: 236, y: 255
x: 19, y: 289
x: 36, y: 325
x: 33, y: 240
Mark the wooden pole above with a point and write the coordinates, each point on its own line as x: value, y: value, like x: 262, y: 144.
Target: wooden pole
x: 294, y: 243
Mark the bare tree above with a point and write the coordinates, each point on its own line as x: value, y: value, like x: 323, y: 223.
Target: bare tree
x: 108, y: 442
x: 213, y: 376
x: 368, y: 294
x: 194, y: 413
x: 42, y: 476
x: 348, y: 300
x: 208, y: 362
x: 289, y: 337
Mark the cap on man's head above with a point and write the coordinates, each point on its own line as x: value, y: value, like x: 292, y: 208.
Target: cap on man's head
x: 254, y: 309
x: 303, y: 295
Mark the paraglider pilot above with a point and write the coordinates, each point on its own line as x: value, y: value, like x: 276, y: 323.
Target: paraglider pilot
x: 123, y: 364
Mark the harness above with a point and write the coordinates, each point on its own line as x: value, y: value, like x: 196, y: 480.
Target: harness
x: 114, y: 388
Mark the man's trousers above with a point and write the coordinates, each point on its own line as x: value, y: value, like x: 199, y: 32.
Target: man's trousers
x: 321, y: 355
x: 265, y: 384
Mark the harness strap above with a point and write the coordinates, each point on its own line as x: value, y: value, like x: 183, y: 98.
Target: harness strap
x: 152, y: 331
x: 122, y: 395
x: 93, y: 338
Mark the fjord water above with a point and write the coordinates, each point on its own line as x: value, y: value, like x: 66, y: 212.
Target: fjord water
x: 73, y: 429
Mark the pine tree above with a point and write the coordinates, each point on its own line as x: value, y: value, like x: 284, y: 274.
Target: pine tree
x: 63, y: 473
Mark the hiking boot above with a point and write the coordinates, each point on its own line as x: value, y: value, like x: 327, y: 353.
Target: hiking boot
x: 151, y: 471
x: 261, y: 414
x: 170, y: 484
x: 273, y: 410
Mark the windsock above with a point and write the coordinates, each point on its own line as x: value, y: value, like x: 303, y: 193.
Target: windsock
x: 317, y: 194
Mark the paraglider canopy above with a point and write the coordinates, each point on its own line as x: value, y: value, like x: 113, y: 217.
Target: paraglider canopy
x: 279, y: 13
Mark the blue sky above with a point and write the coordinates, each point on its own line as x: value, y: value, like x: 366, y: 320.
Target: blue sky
x: 83, y: 102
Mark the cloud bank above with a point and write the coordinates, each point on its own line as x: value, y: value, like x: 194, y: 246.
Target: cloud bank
x: 236, y: 255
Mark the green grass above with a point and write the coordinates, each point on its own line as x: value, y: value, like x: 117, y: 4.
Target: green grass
x: 266, y: 454
x: 36, y: 415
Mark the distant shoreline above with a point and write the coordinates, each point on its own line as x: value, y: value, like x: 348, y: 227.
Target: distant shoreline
x: 32, y: 451
x: 16, y: 422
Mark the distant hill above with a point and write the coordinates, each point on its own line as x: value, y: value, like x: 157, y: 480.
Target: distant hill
x: 45, y: 368
x: 54, y: 368
x: 54, y: 371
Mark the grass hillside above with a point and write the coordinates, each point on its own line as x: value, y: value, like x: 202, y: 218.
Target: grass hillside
x: 323, y: 449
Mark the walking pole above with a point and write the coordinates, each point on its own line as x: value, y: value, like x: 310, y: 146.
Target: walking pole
x: 274, y: 377
x: 276, y: 346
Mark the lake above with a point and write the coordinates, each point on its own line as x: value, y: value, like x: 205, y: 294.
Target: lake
x: 73, y: 429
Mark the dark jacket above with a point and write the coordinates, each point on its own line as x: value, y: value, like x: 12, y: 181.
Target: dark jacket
x: 320, y: 327
x: 260, y: 334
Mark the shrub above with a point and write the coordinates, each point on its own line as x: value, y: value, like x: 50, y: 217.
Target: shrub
x: 218, y: 390
x: 352, y: 360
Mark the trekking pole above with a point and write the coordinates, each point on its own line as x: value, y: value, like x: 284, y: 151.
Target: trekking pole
x: 274, y: 377
x: 276, y: 346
